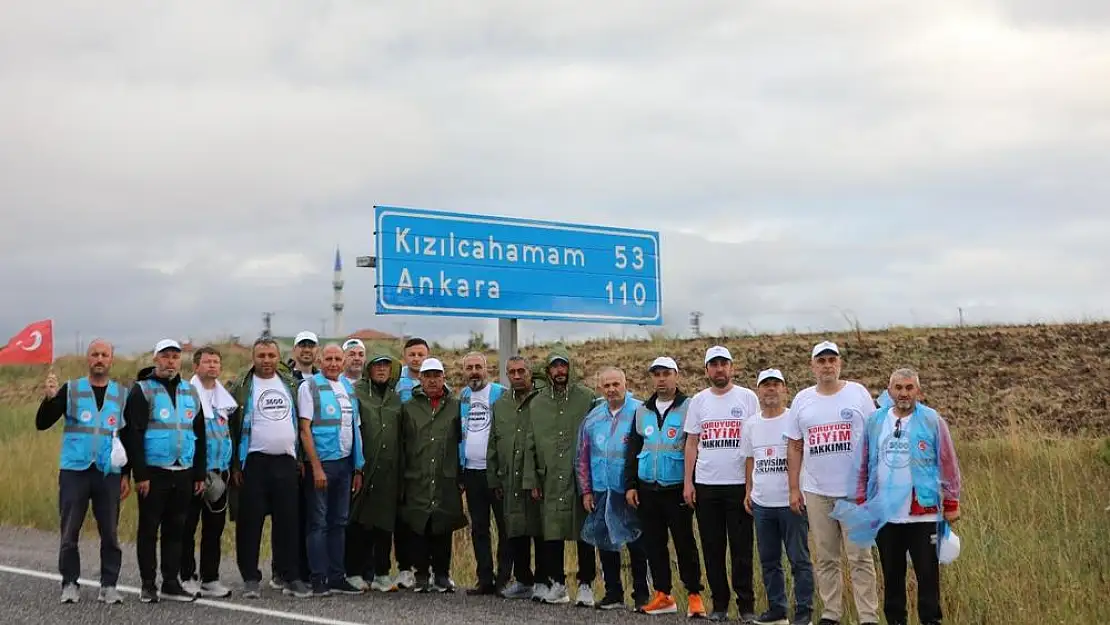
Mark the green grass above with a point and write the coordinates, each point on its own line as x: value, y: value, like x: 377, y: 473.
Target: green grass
x: 1034, y: 525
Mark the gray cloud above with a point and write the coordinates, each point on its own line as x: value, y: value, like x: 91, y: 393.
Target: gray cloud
x: 180, y: 168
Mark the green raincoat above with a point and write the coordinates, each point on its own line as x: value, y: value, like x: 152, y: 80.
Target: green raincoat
x: 505, y: 462
x: 375, y: 506
x: 430, y: 464
x: 552, y: 445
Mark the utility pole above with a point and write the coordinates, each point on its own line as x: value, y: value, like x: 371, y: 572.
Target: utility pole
x: 961, y: 309
x: 695, y: 322
x: 267, y: 318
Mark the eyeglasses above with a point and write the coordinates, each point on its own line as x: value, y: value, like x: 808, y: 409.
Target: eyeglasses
x: 898, y: 428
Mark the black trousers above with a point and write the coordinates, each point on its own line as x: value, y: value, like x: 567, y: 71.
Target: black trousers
x: 611, y: 571
x: 368, y: 551
x: 303, y: 572
x: 554, y: 561
x: 270, y: 485
x: 76, y: 489
x: 724, y: 523
x: 479, y: 502
x: 894, y: 541
x: 402, y: 542
x: 430, y: 551
x: 662, y: 511
x: 211, y: 532
x: 520, y: 549
x: 162, y: 511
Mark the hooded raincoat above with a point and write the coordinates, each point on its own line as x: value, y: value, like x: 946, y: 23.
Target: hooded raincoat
x: 505, y: 460
x: 430, y: 464
x: 375, y: 506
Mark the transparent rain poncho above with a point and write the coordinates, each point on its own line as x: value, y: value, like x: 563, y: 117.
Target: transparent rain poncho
x: 599, y: 467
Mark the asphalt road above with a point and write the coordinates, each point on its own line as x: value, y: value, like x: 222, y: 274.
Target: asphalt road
x: 30, y: 588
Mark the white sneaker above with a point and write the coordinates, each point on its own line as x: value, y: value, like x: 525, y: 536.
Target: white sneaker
x: 557, y: 594
x: 539, y: 591
x: 215, y: 590
x: 109, y: 595
x: 405, y: 579
x: 516, y: 590
x: 383, y: 583
x: 276, y: 583
x: 70, y: 593
x: 191, y: 586
x: 358, y: 582
x: 585, y: 596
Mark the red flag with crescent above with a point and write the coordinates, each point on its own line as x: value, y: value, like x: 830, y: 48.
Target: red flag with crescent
x: 33, y: 345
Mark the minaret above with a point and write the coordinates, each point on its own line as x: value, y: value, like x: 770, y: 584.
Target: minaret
x: 337, y: 304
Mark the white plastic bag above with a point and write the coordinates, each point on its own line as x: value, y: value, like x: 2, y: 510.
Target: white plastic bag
x: 119, y: 454
x: 949, y: 548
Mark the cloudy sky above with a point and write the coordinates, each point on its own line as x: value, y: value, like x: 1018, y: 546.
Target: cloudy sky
x: 177, y: 168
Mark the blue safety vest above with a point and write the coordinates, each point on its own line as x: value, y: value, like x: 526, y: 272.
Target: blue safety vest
x: 608, y: 438
x: 405, y: 384
x: 217, y: 441
x: 88, y: 431
x: 662, y: 460
x: 327, y: 420
x: 169, y: 436
x: 495, y: 392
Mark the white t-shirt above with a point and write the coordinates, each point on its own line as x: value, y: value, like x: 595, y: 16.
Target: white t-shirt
x: 764, y: 442
x: 829, y: 427
x: 893, y: 467
x: 662, y: 406
x: 272, y: 429
x: 718, y: 420
x: 306, y: 408
x: 478, y: 424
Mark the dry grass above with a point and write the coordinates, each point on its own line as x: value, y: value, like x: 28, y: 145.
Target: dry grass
x: 1037, y: 480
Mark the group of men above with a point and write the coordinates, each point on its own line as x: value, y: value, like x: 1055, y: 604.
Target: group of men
x: 354, y: 456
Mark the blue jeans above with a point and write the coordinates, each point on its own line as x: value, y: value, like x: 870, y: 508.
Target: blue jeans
x: 774, y: 528
x: 327, y: 520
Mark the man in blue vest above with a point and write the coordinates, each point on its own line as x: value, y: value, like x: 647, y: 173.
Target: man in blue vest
x: 330, y: 434
x: 476, y: 406
x: 166, y: 447
x: 599, y: 470
x: 653, y: 475
x: 92, y: 408
x: 209, y: 509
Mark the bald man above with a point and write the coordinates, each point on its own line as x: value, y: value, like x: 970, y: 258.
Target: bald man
x: 91, y: 464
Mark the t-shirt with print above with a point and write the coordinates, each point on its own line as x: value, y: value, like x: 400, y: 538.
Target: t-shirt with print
x: 829, y: 427
x: 272, y: 428
x: 893, y: 469
x: 307, y: 407
x: 718, y: 420
x: 477, y: 429
x: 764, y: 442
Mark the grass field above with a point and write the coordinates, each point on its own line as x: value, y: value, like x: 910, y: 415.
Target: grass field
x: 1035, y: 522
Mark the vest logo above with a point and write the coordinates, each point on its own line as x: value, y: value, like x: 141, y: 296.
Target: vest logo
x: 649, y: 430
x: 188, y: 415
x: 737, y: 412
x: 922, y: 445
x: 672, y: 432
x: 330, y: 409
x: 112, y: 420
x: 164, y: 413
x: 848, y: 414
x: 86, y: 416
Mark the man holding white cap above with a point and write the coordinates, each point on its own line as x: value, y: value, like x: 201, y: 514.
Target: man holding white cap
x: 166, y: 450
x: 354, y: 359
x: 767, y: 498
x: 432, y: 500
x: 714, y: 483
x: 824, y: 426
x: 653, y: 475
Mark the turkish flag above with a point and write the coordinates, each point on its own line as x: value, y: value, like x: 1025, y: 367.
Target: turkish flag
x: 34, y: 345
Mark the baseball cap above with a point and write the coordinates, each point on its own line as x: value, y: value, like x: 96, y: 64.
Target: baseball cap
x: 825, y: 346
x: 717, y: 351
x: 381, y: 358
x: 557, y: 358
x: 165, y: 344
x: 770, y: 374
x: 306, y: 336
x: 666, y: 362
x: 431, y: 364
x: 349, y: 343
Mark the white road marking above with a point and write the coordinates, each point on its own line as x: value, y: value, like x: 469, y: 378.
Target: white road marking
x: 222, y: 605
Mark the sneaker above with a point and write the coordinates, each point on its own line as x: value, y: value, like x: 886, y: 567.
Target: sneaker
x: 252, y: 590
x: 148, y: 594
x: 344, y: 587
x: 557, y: 594
x: 70, y: 593
x: 383, y: 583
x: 296, y: 588
x: 482, y: 590
x: 695, y: 607
x: 805, y: 617
x: 516, y: 590
x: 276, y: 583
x: 609, y: 602
x: 191, y: 585
x: 539, y: 591
x: 443, y: 583
x: 585, y: 596
x: 747, y: 618
x: 358, y: 582
x: 174, y: 592
x: 661, y: 603
x: 718, y: 616
x: 771, y: 617
x: 215, y: 590
x: 406, y: 579
x: 109, y: 595
x: 422, y: 585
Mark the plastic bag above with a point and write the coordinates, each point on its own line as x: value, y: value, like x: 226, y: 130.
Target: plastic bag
x: 948, y: 544
x: 119, y: 454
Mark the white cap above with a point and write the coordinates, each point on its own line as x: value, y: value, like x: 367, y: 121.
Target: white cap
x: 770, y: 374
x: 825, y: 346
x: 717, y: 351
x: 431, y: 364
x: 166, y: 344
x: 663, y: 361
x: 306, y: 336
x: 349, y: 343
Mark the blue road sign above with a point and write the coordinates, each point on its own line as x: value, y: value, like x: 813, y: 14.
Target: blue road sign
x: 432, y: 262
